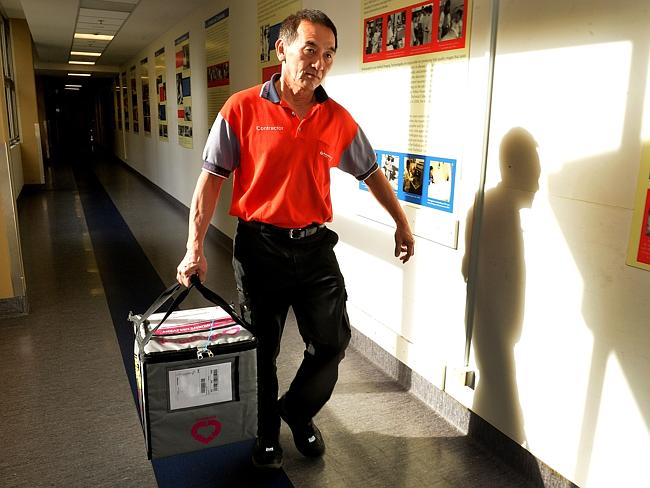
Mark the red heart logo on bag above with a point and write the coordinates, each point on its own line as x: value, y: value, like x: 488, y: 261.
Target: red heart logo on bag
x: 206, y: 430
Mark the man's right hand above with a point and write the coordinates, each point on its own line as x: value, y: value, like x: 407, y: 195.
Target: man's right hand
x: 194, y: 263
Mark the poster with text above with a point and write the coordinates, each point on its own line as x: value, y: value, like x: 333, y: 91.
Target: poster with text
x: 183, y: 91
x: 146, y: 106
x: 161, y: 90
x: 116, y: 103
x: 125, y: 100
x: 134, y: 100
x: 270, y: 14
x: 639, y: 245
x: 217, y: 62
x: 418, y: 52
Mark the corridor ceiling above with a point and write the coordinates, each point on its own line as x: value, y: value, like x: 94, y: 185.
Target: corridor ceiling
x: 134, y: 23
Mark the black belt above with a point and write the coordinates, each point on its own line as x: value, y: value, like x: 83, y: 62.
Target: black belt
x: 297, y: 233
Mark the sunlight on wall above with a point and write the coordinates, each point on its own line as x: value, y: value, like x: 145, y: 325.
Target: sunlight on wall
x: 375, y: 106
x: 553, y: 354
x: 645, y: 127
x: 627, y: 465
x: 572, y: 100
x: 448, y: 111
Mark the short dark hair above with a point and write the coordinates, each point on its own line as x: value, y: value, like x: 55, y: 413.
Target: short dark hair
x: 289, y: 27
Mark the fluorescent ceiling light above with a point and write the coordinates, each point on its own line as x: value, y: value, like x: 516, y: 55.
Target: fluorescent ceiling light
x: 81, y: 62
x: 73, y: 86
x: 96, y: 37
x: 78, y: 74
x: 84, y: 53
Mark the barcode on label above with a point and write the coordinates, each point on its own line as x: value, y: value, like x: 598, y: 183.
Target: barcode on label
x: 203, y: 386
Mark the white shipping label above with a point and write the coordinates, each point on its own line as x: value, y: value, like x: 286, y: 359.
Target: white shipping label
x: 203, y: 385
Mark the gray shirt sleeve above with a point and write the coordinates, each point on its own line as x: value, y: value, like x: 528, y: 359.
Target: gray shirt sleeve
x: 221, y: 151
x: 359, y: 158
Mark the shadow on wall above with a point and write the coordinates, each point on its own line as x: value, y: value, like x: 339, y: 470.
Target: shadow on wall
x: 500, y: 285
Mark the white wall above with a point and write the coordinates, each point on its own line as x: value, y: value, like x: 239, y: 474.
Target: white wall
x: 576, y: 79
x: 561, y: 326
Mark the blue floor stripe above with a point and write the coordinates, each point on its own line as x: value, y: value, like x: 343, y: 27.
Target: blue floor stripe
x: 131, y: 283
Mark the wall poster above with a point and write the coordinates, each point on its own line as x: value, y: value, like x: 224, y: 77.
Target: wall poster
x: 421, y: 51
x: 638, y: 254
x: 217, y: 62
x: 161, y: 91
x: 146, y: 106
x: 416, y: 178
x: 116, y: 102
x: 270, y: 14
x: 125, y: 100
x: 409, y: 29
x: 134, y: 99
x: 183, y: 91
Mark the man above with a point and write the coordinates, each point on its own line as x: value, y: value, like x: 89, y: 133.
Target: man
x: 279, y: 140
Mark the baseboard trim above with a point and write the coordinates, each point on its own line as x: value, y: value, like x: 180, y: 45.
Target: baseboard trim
x: 13, y: 307
x: 466, y: 421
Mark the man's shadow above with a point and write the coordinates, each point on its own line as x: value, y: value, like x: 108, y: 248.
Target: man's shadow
x: 499, y: 283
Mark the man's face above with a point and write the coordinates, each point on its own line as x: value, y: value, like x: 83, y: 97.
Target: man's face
x: 308, y: 58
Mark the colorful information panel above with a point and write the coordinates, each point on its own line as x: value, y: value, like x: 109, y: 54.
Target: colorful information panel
x: 161, y: 90
x: 134, y: 100
x: 125, y: 100
x: 146, y: 104
x: 402, y: 30
x: 270, y: 14
x: 415, y: 178
x: 116, y: 102
x: 183, y: 91
x: 429, y: 42
x: 217, y: 62
x: 639, y: 247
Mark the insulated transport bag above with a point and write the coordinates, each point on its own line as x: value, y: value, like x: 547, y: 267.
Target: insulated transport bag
x: 196, y: 374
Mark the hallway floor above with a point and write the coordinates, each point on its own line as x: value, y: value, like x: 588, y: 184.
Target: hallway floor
x: 99, y: 241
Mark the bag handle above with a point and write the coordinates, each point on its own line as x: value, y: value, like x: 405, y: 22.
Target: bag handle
x: 215, y: 298
x: 178, y: 299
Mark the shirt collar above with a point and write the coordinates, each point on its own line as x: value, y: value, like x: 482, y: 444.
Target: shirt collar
x: 270, y: 93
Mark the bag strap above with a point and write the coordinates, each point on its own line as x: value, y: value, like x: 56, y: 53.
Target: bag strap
x: 217, y: 300
x: 170, y: 292
x: 160, y: 301
x: 177, y: 301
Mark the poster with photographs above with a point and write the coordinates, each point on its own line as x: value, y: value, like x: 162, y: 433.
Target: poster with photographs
x: 116, y: 102
x: 134, y: 99
x: 217, y: 62
x: 161, y: 90
x: 125, y: 100
x: 146, y: 104
x: 422, y: 180
x: 639, y: 245
x: 183, y: 91
x: 270, y: 14
x: 423, y: 28
x: 643, y: 255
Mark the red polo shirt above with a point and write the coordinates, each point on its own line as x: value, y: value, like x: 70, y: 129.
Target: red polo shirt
x: 280, y: 163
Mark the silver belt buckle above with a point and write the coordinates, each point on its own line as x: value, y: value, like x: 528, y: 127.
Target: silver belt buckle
x: 295, y: 233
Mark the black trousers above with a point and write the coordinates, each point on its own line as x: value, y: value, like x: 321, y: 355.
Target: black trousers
x: 274, y: 272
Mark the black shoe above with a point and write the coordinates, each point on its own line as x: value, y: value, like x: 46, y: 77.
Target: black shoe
x: 308, y: 439
x: 267, y: 454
